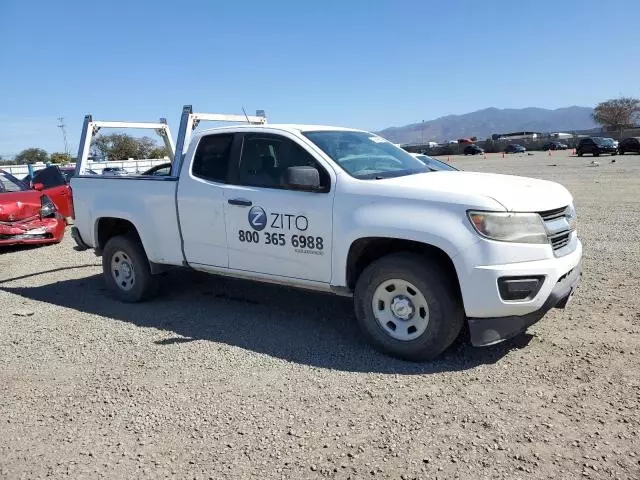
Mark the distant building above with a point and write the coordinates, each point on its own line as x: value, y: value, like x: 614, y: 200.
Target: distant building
x: 517, y: 136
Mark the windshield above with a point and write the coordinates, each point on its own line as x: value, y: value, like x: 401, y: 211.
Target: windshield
x: 434, y: 164
x: 9, y: 183
x: 366, y: 156
x: 603, y: 141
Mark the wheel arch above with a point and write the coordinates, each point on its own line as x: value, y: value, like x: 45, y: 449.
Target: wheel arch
x: 364, y: 251
x: 109, y: 227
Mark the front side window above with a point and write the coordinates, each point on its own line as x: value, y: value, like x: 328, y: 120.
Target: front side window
x: 366, y: 156
x: 211, y: 160
x: 265, y: 159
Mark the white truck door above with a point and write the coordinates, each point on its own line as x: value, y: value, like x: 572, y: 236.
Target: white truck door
x: 272, y: 229
x: 201, y: 201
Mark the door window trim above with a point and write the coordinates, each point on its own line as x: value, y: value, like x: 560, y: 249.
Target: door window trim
x: 233, y: 157
x: 234, y: 169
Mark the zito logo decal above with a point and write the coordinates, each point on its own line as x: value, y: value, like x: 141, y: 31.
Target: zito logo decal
x: 257, y: 218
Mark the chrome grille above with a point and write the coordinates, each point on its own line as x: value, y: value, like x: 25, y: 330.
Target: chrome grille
x: 560, y: 240
x: 553, y: 214
x: 558, y: 229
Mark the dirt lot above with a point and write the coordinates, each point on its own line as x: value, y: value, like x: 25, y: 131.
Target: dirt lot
x: 226, y: 379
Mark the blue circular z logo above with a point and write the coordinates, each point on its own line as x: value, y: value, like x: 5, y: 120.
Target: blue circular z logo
x: 257, y: 218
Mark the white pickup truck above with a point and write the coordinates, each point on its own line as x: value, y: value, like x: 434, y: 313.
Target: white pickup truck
x: 341, y: 211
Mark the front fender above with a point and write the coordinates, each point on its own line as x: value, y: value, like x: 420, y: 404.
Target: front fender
x: 442, y: 226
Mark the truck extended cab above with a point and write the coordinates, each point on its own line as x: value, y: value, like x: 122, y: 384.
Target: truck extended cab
x: 342, y: 211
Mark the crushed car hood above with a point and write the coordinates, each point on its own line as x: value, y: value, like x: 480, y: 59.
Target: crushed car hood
x: 514, y: 193
x: 19, y: 205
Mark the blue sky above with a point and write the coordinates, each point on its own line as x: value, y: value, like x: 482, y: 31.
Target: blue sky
x: 365, y: 64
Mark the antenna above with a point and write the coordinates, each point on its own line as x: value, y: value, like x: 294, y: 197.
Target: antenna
x: 245, y: 115
x: 63, y: 127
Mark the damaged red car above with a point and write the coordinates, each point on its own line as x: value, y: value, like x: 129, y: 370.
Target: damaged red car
x: 28, y: 216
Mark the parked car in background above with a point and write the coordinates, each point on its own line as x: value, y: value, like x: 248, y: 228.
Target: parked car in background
x: 631, y: 144
x: 116, y: 171
x: 431, y: 163
x: 56, y: 181
x: 67, y: 173
x: 159, y: 170
x: 515, y: 148
x: 615, y: 142
x: 596, y: 146
x: 554, y: 146
x: 473, y: 150
x: 28, y: 216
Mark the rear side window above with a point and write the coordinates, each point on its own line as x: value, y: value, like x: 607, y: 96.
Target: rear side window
x: 211, y: 161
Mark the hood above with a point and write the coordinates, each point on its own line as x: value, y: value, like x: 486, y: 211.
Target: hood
x: 16, y: 206
x: 518, y: 194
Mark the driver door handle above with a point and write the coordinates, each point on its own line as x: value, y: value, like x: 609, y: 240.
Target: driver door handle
x: 241, y: 202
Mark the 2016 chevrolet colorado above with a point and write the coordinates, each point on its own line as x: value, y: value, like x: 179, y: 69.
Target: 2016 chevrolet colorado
x: 342, y: 211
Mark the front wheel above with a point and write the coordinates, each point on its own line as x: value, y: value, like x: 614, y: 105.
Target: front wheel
x: 126, y: 269
x: 407, y: 307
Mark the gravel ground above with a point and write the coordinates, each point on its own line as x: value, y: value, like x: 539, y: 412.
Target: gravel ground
x: 227, y: 379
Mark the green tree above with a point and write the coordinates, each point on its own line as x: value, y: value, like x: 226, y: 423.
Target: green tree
x: 116, y: 146
x: 120, y: 146
x: 618, y: 113
x: 159, y: 152
x: 32, y: 155
x: 61, y: 157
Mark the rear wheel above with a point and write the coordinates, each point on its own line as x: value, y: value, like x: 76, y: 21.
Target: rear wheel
x: 596, y: 153
x: 579, y: 152
x: 407, y: 307
x: 621, y: 152
x: 126, y: 269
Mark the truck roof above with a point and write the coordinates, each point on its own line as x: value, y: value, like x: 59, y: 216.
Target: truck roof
x: 291, y: 128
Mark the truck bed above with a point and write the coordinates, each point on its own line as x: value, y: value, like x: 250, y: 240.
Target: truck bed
x: 147, y: 202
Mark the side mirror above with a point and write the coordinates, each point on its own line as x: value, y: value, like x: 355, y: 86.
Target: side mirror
x: 302, y: 178
x: 38, y: 186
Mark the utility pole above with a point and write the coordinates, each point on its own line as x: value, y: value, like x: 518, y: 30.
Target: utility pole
x: 422, y: 132
x: 62, y: 127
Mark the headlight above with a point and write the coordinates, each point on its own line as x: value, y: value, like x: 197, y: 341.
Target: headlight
x: 572, y: 217
x: 47, y: 207
x: 509, y: 227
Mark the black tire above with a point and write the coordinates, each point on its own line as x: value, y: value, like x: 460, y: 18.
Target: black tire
x: 579, y: 152
x: 144, y: 285
x: 445, y: 312
x: 621, y: 152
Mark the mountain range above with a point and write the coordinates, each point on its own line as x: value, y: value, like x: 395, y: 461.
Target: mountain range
x: 484, y: 123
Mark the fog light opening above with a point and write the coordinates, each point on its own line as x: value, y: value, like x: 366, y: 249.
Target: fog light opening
x: 520, y: 288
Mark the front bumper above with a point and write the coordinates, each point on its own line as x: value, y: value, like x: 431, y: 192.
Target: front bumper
x: 33, y: 231
x: 488, y: 331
